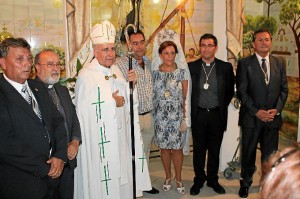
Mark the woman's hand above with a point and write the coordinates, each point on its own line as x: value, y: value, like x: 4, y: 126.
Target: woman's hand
x: 183, y: 127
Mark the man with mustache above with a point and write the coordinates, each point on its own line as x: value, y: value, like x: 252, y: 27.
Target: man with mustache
x: 48, y: 66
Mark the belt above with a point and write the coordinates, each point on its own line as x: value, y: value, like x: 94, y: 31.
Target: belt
x: 209, y: 109
x: 144, y: 113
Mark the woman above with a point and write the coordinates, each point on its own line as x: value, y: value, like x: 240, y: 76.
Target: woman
x: 170, y: 92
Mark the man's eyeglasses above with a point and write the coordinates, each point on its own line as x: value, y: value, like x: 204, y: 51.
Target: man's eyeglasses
x: 207, y: 46
x: 106, y: 50
x: 52, y: 65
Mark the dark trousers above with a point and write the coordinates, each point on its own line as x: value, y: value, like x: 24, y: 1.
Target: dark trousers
x: 268, y: 139
x: 18, y: 184
x: 64, y: 188
x: 207, y: 137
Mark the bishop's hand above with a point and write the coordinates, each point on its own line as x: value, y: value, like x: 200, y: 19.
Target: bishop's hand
x: 120, y: 101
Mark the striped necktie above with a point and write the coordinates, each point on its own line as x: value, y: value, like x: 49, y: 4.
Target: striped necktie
x: 264, y: 67
x: 31, y: 101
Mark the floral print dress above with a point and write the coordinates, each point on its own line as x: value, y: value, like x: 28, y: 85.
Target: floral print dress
x: 168, y: 107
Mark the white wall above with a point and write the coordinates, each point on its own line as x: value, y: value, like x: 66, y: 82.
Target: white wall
x: 230, y: 136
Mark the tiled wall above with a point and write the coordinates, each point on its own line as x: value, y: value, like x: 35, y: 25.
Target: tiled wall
x: 40, y: 22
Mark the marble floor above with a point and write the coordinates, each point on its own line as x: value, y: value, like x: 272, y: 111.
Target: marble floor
x: 231, y: 185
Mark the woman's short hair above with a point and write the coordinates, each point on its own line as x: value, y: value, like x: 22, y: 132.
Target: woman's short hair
x: 166, y: 44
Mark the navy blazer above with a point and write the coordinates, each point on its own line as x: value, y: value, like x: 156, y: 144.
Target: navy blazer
x: 225, y: 84
x: 254, y: 94
x: 23, y: 141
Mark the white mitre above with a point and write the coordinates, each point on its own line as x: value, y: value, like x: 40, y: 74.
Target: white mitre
x: 103, y: 33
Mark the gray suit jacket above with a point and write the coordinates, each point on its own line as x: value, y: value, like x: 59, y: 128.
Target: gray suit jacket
x: 254, y: 94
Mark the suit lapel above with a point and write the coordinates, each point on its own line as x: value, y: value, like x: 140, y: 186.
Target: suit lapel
x: 61, y: 94
x: 257, y: 71
x: 16, y: 98
x: 273, y: 70
x: 35, y: 91
x: 219, y: 73
x: 197, y: 75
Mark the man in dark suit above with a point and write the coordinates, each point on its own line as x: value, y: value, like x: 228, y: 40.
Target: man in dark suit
x: 48, y: 66
x: 33, y: 145
x: 262, y: 89
x: 212, y: 90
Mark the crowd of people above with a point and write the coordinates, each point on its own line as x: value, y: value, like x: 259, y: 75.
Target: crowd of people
x: 51, y: 148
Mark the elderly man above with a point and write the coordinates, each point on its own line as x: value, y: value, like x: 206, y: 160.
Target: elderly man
x: 101, y: 95
x: 47, y: 64
x: 33, y: 144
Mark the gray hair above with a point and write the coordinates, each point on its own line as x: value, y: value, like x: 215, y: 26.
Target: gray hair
x: 12, y: 42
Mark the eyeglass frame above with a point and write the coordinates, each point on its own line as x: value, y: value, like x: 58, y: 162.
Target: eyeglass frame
x: 52, y: 65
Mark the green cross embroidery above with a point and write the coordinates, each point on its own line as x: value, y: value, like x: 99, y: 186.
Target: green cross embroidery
x: 143, y: 159
x: 102, y: 141
x: 106, y: 178
x: 98, y: 103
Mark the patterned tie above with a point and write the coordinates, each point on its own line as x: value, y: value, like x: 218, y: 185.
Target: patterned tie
x: 54, y: 97
x: 31, y: 101
x: 26, y: 95
x: 264, y: 67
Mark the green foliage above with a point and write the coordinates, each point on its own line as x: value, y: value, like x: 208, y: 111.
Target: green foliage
x: 70, y: 82
x: 255, y: 23
x: 258, y: 22
x: 247, y: 39
x: 290, y: 11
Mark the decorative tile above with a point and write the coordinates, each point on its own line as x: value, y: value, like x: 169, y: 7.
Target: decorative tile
x: 62, y: 41
x: 52, y: 40
x: 6, y: 2
x: 51, y: 26
x: 6, y: 12
x: 36, y: 3
x: 38, y: 41
x: 20, y: 2
x: 22, y: 27
x: 21, y: 12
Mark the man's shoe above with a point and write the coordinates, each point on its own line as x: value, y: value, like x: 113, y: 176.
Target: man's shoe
x: 152, y: 191
x: 217, y: 187
x: 243, y: 192
x: 195, y: 189
x: 244, y: 188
